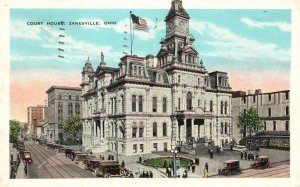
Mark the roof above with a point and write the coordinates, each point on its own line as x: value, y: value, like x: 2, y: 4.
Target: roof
x: 152, y: 73
x: 177, y: 11
x: 63, y: 88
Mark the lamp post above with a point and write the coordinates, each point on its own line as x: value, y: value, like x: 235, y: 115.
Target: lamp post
x: 174, y: 151
x: 78, y: 142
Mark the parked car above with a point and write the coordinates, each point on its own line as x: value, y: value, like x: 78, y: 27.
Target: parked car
x: 261, y: 162
x: 79, y: 158
x: 27, y: 157
x: 108, y: 168
x: 231, y: 167
x: 87, y: 162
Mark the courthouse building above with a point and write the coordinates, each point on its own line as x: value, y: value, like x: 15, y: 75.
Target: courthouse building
x: 63, y: 102
x: 272, y: 107
x: 152, y: 103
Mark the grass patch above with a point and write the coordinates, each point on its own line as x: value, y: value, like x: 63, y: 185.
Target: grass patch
x: 162, y: 162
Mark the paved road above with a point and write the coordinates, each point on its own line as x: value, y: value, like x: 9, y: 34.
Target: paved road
x: 51, y: 164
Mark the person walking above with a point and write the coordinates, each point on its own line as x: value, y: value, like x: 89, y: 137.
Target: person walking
x: 245, y: 155
x: 206, y: 166
x: 242, y: 155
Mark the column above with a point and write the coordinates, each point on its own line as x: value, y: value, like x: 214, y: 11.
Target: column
x: 184, y: 130
x: 194, y: 132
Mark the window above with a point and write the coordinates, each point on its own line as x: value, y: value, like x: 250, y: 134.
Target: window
x: 179, y: 101
x: 134, y: 71
x: 222, y: 107
x: 244, y: 99
x: 70, y: 97
x: 198, y: 81
x: 154, y: 129
x: 134, y: 148
x: 102, y: 102
x: 140, y: 71
x: 112, y: 105
x: 155, y: 146
x: 115, y: 105
x: 189, y: 101
x: 199, y: 102
x: 210, y: 128
x: 287, y: 126
x: 59, y: 96
x: 286, y: 95
x: 178, y: 78
x: 274, y: 125
x: 226, y: 105
x: 77, y: 109
x: 140, y: 103
x: 141, y: 132
x: 165, y: 146
x: 122, y: 103
x: 77, y: 97
x: 133, y: 103
x: 211, y: 107
x: 265, y: 125
x: 270, y: 112
x: 225, y: 128
x: 222, y: 127
x: 164, y: 129
x: 270, y: 97
x: 141, y: 148
x: 134, y: 129
x: 254, y: 99
x: 287, y: 110
x: 164, y: 104
x: 154, y: 104
x: 159, y: 78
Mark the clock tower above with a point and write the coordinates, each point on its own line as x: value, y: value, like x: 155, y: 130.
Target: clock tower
x: 177, y: 47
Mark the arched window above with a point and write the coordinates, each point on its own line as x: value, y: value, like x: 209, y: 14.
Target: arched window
x: 222, y: 127
x: 133, y: 103
x: 189, y: 101
x: 140, y: 103
x: 164, y: 104
x: 154, y: 129
x: 164, y: 129
x: 222, y: 105
x: 225, y: 128
x: 134, y: 130
x: 154, y: 104
x: 122, y: 103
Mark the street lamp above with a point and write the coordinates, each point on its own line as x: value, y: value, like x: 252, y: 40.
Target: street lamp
x: 174, y: 151
x: 78, y: 143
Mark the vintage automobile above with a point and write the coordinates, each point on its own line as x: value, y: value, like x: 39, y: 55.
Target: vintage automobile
x: 74, y: 153
x: 261, y: 162
x: 108, y: 168
x: 79, y: 158
x: 94, y: 164
x: 87, y: 162
x: 27, y: 157
x: 68, y: 152
x: 231, y: 167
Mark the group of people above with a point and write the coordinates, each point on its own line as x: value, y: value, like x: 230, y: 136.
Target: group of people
x: 248, y: 156
x: 147, y: 174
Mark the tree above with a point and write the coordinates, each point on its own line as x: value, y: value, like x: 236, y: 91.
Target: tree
x: 14, y: 130
x: 250, y: 121
x: 73, y: 127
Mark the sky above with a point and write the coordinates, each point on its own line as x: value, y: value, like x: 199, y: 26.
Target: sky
x: 253, y: 46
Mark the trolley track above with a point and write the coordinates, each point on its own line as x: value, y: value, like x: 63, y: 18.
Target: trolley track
x: 57, y: 165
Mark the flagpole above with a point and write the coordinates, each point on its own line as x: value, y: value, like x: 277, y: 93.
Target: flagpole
x: 130, y: 34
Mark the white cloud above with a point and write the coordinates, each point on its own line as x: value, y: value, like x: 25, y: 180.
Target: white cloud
x: 283, y: 26
x: 19, y: 29
x: 232, y: 46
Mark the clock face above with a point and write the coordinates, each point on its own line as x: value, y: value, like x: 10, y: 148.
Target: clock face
x: 182, y: 25
x: 171, y: 25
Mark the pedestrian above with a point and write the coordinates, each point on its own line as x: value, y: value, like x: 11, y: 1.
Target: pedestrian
x: 242, y: 155
x: 112, y: 157
x: 147, y: 174
x: 123, y: 164
x: 211, y: 154
x: 256, y: 156
x: 144, y: 174
x: 140, y: 159
x: 249, y: 155
x: 206, y: 166
x: 208, y: 150
x: 245, y: 155
x: 150, y: 174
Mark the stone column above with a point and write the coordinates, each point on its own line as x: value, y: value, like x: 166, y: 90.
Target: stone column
x: 184, y: 130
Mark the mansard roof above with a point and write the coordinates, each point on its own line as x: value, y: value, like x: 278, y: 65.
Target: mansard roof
x: 177, y: 11
x: 153, y: 72
x: 105, y: 69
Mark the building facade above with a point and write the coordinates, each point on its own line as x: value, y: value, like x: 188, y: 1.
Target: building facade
x: 63, y: 102
x: 35, y: 115
x: 273, y: 108
x: 155, y: 103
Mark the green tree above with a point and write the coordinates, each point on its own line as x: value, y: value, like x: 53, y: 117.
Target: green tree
x: 250, y: 121
x: 14, y: 130
x: 73, y: 127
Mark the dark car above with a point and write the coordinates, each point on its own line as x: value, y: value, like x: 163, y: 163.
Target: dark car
x: 261, y: 162
x: 231, y: 167
x: 108, y: 168
x: 87, y: 162
x: 27, y: 157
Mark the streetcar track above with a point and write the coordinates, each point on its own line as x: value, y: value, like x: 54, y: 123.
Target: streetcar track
x: 265, y: 173
x: 69, y: 170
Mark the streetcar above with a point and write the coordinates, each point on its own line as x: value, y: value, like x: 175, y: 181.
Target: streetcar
x: 261, y: 162
x: 231, y: 167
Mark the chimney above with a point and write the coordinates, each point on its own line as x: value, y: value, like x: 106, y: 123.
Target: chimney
x: 258, y: 91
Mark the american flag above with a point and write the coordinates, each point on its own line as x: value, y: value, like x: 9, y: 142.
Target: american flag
x: 139, y: 23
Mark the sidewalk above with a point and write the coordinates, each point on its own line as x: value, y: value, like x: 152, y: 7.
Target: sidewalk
x: 20, y: 170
